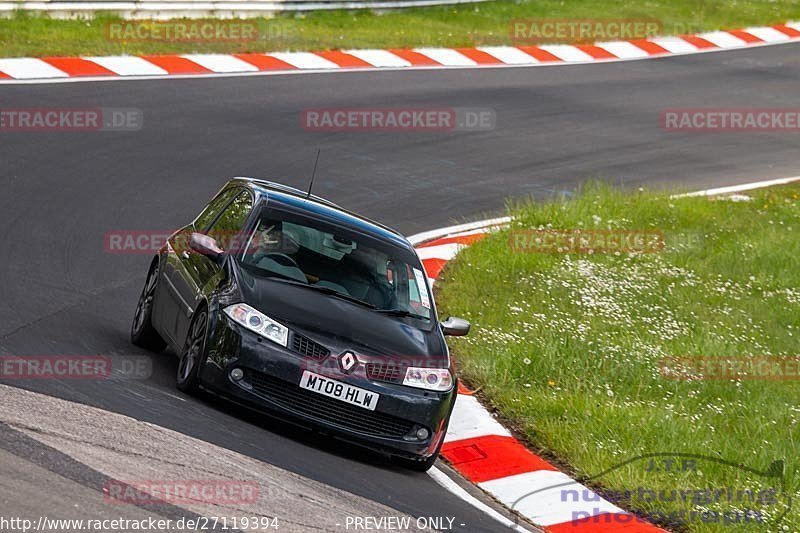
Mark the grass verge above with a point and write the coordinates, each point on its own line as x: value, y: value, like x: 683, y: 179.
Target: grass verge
x: 467, y: 25
x: 575, y: 350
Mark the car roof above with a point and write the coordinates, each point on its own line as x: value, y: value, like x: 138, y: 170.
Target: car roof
x: 320, y: 206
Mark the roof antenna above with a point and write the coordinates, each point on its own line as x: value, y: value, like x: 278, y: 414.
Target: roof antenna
x: 314, y: 173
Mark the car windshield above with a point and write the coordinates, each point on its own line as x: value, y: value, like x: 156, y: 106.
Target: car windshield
x: 358, y: 267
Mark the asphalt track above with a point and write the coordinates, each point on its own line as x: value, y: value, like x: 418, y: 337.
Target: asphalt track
x: 61, y: 293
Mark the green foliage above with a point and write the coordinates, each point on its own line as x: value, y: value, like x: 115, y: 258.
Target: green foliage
x: 571, y: 347
x: 489, y: 23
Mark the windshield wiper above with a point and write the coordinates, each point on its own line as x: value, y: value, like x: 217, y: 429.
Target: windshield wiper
x: 326, y: 290
x: 334, y: 292
x: 400, y: 312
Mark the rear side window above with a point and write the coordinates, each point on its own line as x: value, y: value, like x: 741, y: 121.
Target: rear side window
x: 212, y: 210
x: 229, y: 224
x: 234, y: 216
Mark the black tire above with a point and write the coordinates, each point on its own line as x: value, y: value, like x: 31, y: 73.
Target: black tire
x: 420, y: 466
x: 142, y: 332
x: 193, y: 353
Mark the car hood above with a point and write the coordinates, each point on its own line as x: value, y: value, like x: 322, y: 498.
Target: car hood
x: 340, y: 324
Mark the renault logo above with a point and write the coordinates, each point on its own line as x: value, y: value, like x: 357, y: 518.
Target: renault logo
x: 348, y: 362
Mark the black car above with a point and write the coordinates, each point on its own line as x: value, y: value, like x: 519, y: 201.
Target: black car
x: 289, y: 304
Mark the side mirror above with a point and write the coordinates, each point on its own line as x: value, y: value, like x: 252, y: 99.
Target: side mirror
x: 457, y: 327
x: 205, y: 245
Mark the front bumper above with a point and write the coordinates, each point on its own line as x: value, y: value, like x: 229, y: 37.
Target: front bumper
x: 271, y: 374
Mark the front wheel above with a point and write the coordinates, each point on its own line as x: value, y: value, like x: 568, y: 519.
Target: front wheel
x: 419, y: 465
x: 143, y: 334
x: 188, y: 378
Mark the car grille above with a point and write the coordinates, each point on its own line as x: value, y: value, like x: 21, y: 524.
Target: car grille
x: 384, y: 372
x: 309, y: 348
x: 329, y: 410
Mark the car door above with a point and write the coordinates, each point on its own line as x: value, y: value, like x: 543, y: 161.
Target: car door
x: 194, y: 272
x: 172, y: 306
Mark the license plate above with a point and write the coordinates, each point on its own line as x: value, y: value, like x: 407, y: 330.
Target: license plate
x: 341, y: 391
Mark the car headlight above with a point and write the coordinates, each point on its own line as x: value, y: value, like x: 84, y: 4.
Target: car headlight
x: 258, y: 322
x: 438, y: 379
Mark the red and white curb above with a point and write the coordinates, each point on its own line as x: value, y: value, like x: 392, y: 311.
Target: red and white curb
x: 50, y: 69
x: 486, y: 453
x: 435, y: 248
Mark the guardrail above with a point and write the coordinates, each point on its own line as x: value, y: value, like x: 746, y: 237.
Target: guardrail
x: 165, y: 9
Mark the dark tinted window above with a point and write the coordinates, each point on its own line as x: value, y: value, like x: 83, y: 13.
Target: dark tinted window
x: 204, y: 219
x: 305, y: 250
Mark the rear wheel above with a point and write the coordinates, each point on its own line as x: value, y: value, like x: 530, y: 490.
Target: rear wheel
x: 188, y: 379
x: 142, y: 332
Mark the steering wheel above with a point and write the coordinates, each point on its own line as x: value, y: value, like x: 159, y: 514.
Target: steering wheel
x: 282, y: 259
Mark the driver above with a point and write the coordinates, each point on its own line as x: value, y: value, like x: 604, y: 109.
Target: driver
x: 269, y: 240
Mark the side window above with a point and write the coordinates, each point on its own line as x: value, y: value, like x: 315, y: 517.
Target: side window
x: 204, y: 219
x: 227, y: 227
